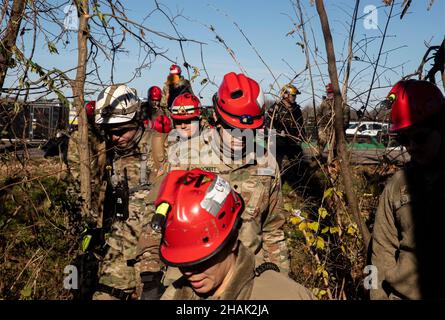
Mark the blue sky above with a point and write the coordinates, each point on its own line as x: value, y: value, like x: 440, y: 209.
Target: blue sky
x: 266, y: 24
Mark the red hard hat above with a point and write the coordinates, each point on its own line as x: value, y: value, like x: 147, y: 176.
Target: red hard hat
x: 154, y: 93
x: 175, y: 69
x: 203, y: 214
x: 239, y: 102
x: 185, y: 106
x: 329, y: 88
x: 413, y: 101
x: 90, y: 107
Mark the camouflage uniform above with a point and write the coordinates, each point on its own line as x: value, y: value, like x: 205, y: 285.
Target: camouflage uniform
x: 288, y: 123
x: 245, y: 284
x: 118, y: 268
x: 258, y: 182
x: 170, y: 92
x: 408, y: 246
x: 325, y: 121
x: 158, y: 145
x: 325, y: 118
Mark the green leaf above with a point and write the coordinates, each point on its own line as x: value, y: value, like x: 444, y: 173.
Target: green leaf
x: 313, y: 226
x: 325, y: 229
x: 333, y: 230
x: 310, y: 239
x: 52, y: 48
x: 26, y: 292
x: 352, y: 229
x: 320, y: 243
x: 340, y: 194
x: 102, y: 18
x: 321, y: 293
x: 295, y: 220
x: 322, y: 212
x: 302, y: 226
x: 327, y: 193
x: 196, y: 73
x: 288, y: 207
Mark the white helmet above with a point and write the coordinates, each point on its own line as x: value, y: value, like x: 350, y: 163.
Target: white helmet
x: 116, y: 104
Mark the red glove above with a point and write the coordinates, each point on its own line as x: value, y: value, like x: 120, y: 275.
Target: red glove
x: 162, y: 124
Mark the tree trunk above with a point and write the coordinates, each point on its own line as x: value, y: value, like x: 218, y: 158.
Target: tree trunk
x: 338, y: 126
x: 8, y: 41
x: 79, y: 102
x: 443, y: 73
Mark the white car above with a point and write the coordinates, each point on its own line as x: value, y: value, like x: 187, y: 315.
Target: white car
x: 366, y: 128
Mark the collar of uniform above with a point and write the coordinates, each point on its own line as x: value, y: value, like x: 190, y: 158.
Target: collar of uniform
x: 239, y: 287
x: 241, y: 284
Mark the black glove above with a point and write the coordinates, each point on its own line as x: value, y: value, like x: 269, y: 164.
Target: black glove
x: 153, y: 287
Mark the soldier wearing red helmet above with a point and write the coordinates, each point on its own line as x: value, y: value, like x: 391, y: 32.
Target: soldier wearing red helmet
x: 239, y: 104
x: 152, y: 106
x: 408, y: 246
x: 203, y: 217
x: 186, y: 113
x: 90, y: 108
x: 175, y: 85
x: 325, y: 118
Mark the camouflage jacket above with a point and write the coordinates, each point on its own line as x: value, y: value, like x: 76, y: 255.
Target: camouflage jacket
x: 325, y: 114
x: 170, y: 92
x: 245, y: 285
x: 257, y: 179
x: 408, y: 246
x: 287, y: 121
x: 118, y: 268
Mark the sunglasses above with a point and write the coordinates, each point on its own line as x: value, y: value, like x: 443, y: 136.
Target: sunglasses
x: 119, y: 131
x: 184, y: 121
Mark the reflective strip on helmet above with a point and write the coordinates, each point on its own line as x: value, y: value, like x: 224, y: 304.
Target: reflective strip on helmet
x: 108, y: 111
x: 215, y: 196
x: 183, y: 109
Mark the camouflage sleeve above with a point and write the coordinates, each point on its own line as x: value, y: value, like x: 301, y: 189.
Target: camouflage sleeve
x: 321, y: 111
x: 164, y: 98
x: 147, y: 248
x: 385, y: 242
x: 274, y: 242
x: 158, y: 150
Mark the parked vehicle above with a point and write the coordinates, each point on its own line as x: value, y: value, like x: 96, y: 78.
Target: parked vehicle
x: 367, y: 128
